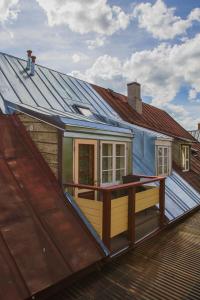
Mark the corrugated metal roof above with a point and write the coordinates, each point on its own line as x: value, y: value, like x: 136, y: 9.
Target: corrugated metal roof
x: 42, y: 238
x: 151, y: 117
x: 167, y: 267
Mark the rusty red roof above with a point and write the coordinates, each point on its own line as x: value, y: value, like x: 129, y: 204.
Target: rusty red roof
x: 42, y: 239
x: 151, y: 118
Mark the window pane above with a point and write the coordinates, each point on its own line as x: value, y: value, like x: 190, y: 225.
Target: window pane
x: 107, y: 163
x: 165, y: 161
x: 86, y: 164
x: 120, y: 150
x: 107, y: 177
x: 107, y: 149
x: 187, y: 152
x: 165, y: 169
x: 160, y: 170
x: 119, y: 174
x: 165, y: 151
x: 159, y: 151
x: 120, y: 163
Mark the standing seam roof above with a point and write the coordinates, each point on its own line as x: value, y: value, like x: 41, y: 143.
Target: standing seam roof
x: 48, y: 89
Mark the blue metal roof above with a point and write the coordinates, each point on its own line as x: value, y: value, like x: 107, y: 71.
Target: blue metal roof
x: 52, y: 93
x: 180, y: 196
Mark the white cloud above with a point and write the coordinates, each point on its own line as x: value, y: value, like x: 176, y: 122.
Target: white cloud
x: 105, y: 67
x: 78, y: 57
x: 98, y: 42
x: 161, y: 71
x: 85, y: 16
x: 8, y: 10
x: 161, y: 21
x: 183, y: 116
x: 192, y: 95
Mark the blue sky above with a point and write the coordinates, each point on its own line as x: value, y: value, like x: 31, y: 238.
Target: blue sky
x: 110, y: 43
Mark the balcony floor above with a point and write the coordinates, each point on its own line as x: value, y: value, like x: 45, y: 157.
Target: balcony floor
x: 146, y: 222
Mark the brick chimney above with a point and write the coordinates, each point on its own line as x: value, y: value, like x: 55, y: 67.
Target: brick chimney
x: 198, y: 126
x: 134, y: 96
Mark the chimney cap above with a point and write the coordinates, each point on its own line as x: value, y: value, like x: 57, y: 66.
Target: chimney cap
x: 33, y: 58
x: 29, y: 52
x: 133, y: 82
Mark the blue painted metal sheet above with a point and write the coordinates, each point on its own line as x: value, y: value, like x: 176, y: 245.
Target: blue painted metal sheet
x: 54, y: 94
x: 49, y: 90
x: 180, y: 196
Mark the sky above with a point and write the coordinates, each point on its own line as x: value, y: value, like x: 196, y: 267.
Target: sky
x: 113, y: 42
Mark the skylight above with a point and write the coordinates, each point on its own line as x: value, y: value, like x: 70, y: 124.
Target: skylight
x: 85, y: 111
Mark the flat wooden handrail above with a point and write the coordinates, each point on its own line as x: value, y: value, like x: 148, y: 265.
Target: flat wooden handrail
x: 132, y: 184
x: 83, y: 186
x: 113, y: 187
x: 144, y: 176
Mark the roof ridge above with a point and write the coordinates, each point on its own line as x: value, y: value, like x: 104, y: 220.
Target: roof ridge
x: 42, y: 66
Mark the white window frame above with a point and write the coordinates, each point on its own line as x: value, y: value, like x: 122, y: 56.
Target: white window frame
x: 184, y: 159
x: 163, y: 173
x: 114, y: 170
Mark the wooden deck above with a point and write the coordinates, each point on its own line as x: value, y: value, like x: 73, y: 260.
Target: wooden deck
x: 167, y: 267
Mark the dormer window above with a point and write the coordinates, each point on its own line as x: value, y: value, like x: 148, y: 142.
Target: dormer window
x: 185, y: 158
x: 163, y: 158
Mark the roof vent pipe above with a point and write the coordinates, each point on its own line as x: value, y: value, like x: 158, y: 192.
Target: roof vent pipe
x: 28, y: 67
x: 33, y: 65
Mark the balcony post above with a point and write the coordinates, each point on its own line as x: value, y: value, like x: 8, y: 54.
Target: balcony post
x: 131, y: 215
x: 162, y: 202
x: 106, y: 230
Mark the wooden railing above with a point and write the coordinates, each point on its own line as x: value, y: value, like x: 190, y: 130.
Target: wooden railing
x: 106, y: 197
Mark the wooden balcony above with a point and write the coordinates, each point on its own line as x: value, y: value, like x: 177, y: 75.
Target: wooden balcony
x: 113, y: 215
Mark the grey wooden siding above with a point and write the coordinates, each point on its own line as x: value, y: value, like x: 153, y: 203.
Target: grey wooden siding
x: 46, y: 139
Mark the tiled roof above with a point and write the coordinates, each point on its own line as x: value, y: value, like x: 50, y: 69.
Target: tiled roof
x: 152, y: 117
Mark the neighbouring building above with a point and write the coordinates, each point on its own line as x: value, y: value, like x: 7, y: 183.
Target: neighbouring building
x: 161, y: 147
